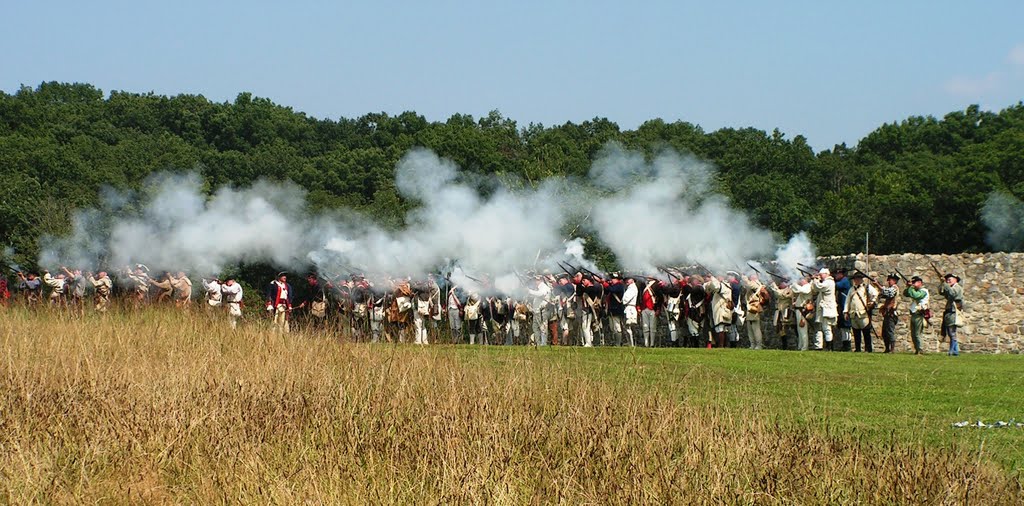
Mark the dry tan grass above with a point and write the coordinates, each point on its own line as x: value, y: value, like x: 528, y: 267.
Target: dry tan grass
x: 160, y: 408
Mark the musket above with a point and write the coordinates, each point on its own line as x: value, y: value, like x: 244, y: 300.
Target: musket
x: 937, y: 271
x: 774, y: 275
x: 900, y: 274
x: 705, y: 269
x: 865, y: 275
x: 806, y: 273
x: 755, y: 268
x: 809, y: 268
x: 590, y: 272
x: 670, y: 275
x: 568, y: 268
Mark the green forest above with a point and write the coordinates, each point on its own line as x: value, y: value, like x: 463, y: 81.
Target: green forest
x: 916, y: 185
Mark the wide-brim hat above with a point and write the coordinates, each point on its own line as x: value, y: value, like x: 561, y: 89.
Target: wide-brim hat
x: 915, y: 279
x: 951, y: 275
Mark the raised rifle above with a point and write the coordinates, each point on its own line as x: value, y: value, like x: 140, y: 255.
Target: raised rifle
x: 670, y: 275
x: 937, y: 271
x: 705, y: 269
x: 904, y: 278
x: 755, y: 268
x: 776, y: 276
x: 869, y: 278
x: 805, y: 272
x: 592, y: 274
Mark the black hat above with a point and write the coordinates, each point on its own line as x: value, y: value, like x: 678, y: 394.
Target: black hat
x: 858, y: 275
x: 616, y: 275
x: 282, y: 273
x: 893, y: 276
x: 915, y: 279
x: 951, y: 275
x: 841, y: 270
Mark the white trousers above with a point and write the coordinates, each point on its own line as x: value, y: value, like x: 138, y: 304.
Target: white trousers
x: 649, y: 326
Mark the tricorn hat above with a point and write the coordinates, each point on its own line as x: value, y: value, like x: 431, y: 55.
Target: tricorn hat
x: 282, y: 273
x: 915, y: 279
x: 893, y: 276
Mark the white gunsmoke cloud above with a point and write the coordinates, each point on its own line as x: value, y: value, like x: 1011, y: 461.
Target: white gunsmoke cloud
x: 492, y: 234
x: 1003, y: 215
x: 180, y: 228
x: 648, y: 213
x: 799, y: 250
x: 664, y: 213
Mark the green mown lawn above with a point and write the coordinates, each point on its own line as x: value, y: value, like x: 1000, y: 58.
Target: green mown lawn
x: 871, y: 396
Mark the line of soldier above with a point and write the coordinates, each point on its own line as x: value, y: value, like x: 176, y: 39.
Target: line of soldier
x: 821, y: 310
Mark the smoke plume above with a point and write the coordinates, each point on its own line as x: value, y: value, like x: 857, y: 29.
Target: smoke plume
x: 664, y: 213
x: 648, y: 213
x: 1003, y: 215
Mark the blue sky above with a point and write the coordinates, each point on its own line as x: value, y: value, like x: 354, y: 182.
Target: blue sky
x: 830, y: 71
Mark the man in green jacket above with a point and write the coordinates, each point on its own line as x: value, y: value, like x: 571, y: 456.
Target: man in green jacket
x: 918, y: 296
x: 954, y: 294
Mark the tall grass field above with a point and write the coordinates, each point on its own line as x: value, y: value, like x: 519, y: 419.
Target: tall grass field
x: 164, y: 407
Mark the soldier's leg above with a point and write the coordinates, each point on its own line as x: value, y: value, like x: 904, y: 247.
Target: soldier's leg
x: 802, y: 343
x: 916, y: 329
x: 417, y: 322
x: 615, y: 324
x: 954, y: 346
x: 827, y: 330
x: 586, y: 330
x: 756, y: 333
x: 673, y: 330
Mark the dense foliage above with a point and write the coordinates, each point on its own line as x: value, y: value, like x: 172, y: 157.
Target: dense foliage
x: 915, y: 186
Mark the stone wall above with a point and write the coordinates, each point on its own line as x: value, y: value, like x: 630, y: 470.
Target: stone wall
x: 993, y: 296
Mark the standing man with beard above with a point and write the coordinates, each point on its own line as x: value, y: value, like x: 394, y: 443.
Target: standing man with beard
x: 826, y: 310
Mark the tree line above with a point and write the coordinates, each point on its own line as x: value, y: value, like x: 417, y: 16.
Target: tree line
x: 917, y: 185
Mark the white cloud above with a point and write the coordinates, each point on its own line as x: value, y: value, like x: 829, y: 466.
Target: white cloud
x: 974, y: 86
x: 1016, y: 55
